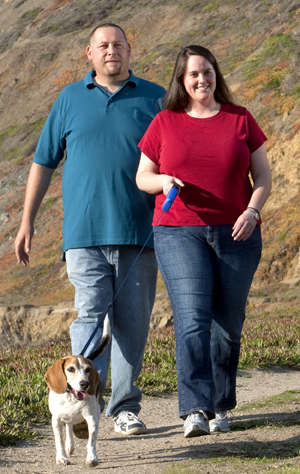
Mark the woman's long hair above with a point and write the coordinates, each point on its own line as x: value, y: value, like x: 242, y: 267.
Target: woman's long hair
x: 177, y: 97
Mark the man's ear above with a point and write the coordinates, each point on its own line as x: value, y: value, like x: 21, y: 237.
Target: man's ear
x: 89, y: 52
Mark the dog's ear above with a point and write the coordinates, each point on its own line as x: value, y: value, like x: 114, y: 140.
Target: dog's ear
x: 55, y: 377
x: 94, y: 380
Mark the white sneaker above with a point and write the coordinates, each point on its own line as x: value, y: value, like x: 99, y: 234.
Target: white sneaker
x: 196, y: 424
x: 219, y: 423
x: 129, y: 424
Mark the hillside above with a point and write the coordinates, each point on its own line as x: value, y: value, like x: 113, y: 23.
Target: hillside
x: 42, y: 49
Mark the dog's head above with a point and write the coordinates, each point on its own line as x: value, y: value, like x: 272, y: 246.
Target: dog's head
x: 74, y: 374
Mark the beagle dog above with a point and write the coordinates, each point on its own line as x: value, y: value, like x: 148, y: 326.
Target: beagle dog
x: 75, y: 395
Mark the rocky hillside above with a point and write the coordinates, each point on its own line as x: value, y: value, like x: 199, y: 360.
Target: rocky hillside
x: 42, y: 48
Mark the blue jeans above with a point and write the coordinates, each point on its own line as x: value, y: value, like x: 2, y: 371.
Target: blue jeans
x: 208, y: 277
x: 97, y: 273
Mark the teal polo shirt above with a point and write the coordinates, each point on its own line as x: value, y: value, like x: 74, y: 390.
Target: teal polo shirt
x: 99, y: 132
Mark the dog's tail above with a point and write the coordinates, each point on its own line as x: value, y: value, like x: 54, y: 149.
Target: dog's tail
x: 105, y: 340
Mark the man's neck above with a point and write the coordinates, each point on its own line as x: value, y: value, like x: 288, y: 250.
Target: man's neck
x: 110, y: 83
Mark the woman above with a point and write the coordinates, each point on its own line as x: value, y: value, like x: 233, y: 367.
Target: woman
x: 208, y: 245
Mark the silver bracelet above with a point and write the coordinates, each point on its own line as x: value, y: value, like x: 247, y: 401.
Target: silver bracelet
x: 254, y: 212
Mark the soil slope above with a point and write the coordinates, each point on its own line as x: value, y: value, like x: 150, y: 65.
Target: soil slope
x: 42, y: 49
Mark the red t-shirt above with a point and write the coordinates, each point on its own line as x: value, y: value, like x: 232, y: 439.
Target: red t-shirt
x: 211, y: 156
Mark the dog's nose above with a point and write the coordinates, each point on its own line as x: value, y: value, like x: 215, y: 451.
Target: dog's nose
x: 84, y: 385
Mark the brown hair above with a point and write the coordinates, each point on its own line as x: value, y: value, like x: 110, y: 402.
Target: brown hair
x: 107, y: 25
x: 177, y: 97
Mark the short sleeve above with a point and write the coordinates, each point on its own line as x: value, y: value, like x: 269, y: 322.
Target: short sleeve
x: 51, y: 146
x: 255, y: 136
x: 151, y: 142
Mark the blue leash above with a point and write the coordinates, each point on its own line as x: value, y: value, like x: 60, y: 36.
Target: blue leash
x: 165, y: 208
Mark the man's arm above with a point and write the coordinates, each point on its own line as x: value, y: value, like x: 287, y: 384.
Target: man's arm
x: 37, y: 185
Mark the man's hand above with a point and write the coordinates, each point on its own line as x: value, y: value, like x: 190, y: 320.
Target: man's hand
x: 38, y: 182
x: 23, y: 243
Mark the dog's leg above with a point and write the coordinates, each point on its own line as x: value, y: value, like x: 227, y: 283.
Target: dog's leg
x: 69, y: 439
x: 91, y: 458
x: 61, y: 457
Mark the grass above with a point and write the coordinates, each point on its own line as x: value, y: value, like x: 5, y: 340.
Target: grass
x: 159, y: 367
x: 210, y: 7
x: 267, y: 340
x: 281, y: 399
x: 272, y: 340
x: 23, y: 393
x: 230, y: 464
x: 278, y: 46
x: 9, y: 131
x: 273, y: 419
x: 48, y: 204
x: 147, y: 61
x: 27, y: 134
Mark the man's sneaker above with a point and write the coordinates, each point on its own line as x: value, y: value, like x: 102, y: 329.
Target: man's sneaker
x: 219, y: 423
x: 129, y: 424
x: 196, y: 424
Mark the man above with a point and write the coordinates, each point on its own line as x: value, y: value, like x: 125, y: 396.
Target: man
x: 99, y: 121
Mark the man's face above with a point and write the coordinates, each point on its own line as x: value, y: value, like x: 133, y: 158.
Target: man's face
x: 109, y: 53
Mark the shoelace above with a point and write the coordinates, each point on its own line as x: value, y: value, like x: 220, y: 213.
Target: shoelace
x: 195, y: 415
x: 222, y: 415
x: 125, y: 414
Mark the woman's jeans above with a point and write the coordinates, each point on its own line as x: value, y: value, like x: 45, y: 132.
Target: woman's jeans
x: 97, y: 274
x: 208, y: 277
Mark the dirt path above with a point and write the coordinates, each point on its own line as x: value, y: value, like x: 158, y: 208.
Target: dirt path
x: 165, y: 444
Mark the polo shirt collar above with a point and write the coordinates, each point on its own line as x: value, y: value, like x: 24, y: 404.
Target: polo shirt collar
x: 132, y: 81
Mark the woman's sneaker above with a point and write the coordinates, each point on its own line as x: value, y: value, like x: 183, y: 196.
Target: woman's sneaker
x: 129, y: 424
x: 196, y: 424
x: 219, y: 423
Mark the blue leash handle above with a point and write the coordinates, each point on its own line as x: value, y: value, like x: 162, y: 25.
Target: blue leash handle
x: 165, y: 208
x: 169, y: 199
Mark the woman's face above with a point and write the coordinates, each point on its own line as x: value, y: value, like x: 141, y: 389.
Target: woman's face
x: 200, y: 80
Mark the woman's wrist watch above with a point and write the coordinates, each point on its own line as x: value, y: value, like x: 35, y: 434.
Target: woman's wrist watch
x: 255, y: 213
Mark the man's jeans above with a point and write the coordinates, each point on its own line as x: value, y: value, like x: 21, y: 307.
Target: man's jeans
x: 97, y: 273
x: 208, y: 277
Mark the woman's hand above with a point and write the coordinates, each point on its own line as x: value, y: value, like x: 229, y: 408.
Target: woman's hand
x: 244, y: 226
x: 168, y: 183
x: 262, y: 182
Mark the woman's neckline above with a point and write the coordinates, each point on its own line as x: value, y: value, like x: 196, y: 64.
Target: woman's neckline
x: 215, y: 114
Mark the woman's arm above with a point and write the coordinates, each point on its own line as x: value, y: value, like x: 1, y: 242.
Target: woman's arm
x: 262, y: 183
x: 262, y: 179
x: 150, y: 180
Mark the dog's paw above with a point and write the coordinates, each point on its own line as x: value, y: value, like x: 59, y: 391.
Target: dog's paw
x: 91, y: 462
x: 64, y: 461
